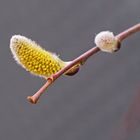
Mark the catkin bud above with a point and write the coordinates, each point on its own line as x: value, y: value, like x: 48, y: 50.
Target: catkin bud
x: 107, y: 42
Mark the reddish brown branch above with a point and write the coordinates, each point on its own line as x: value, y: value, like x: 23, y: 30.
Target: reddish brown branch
x: 123, y: 35
x: 82, y: 58
x: 33, y: 99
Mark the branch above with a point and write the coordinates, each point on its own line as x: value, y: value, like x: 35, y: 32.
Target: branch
x: 80, y: 60
x: 123, y: 35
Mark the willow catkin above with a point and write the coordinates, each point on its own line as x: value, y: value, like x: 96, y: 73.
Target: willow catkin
x: 33, y: 58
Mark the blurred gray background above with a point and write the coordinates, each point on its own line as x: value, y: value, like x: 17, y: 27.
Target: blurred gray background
x: 101, y: 102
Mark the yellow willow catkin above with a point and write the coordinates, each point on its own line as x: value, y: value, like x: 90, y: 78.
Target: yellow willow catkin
x: 34, y: 58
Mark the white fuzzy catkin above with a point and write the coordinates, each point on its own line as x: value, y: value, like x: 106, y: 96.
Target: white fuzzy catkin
x: 106, y: 41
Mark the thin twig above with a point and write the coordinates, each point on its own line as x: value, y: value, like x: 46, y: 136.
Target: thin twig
x: 123, y: 35
x: 82, y: 58
x: 33, y: 99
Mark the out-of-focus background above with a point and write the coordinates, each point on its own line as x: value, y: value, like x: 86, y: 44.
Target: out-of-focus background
x: 101, y: 102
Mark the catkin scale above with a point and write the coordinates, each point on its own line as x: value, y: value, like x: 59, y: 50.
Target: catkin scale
x: 34, y: 58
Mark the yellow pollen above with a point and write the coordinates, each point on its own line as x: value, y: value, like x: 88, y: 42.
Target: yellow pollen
x: 34, y: 58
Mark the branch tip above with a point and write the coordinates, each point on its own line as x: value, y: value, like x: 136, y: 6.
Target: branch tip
x: 31, y: 100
